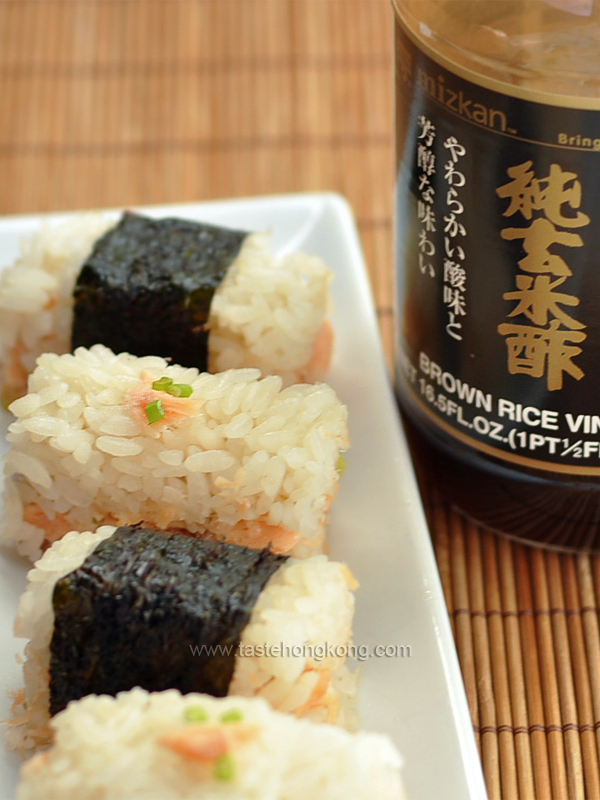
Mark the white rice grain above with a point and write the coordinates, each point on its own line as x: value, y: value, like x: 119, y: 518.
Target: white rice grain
x: 306, y: 604
x: 282, y: 448
x: 113, y: 749
x: 267, y: 313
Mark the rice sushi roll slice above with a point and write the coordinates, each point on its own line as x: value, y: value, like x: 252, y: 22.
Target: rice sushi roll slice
x: 163, y: 745
x: 115, y: 439
x: 107, y: 611
x: 201, y: 295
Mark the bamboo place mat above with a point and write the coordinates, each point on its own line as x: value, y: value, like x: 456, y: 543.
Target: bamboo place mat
x: 134, y: 102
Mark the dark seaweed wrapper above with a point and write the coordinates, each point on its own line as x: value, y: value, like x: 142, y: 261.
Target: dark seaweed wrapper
x: 156, y: 610
x: 147, y: 287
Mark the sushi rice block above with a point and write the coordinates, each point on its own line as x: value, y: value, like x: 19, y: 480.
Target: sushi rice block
x: 164, y: 746
x: 115, y: 439
x: 110, y: 610
x: 204, y: 296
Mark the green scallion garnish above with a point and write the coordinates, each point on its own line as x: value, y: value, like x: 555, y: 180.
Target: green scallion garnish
x: 180, y: 390
x: 341, y: 465
x: 162, y: 384
x: 224, y: 768
x: 195, y: 714
x: 165, y: 384
x: 233, y: 715
x: 155, y: 411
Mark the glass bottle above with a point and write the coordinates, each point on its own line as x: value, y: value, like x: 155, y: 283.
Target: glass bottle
x: 498, y: 258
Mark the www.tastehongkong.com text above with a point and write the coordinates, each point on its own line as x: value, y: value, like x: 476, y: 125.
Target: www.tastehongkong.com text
x: 315, y: 652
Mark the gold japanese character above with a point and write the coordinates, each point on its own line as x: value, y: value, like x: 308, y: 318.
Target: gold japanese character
x: 537, y: 300
x: 528, y: 194
x: 533, y: 351
x: 537, y: 238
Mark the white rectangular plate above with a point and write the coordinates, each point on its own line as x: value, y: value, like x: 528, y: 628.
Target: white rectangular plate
x: 377, y: 524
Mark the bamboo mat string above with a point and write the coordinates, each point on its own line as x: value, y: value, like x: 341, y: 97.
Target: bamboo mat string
x: 591, y: 632
x: 490, y: 745
x: 569, y: 716
x: 439, y: 524
x: 549, y: 676
x: 526, y: 629
x: 532, y: 675
x: 581, y: 677
x: 455, y: 584
x: 515, y: 668
x: 499, y: 667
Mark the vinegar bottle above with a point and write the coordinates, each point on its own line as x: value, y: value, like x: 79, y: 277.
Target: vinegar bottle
x: 498, y: 258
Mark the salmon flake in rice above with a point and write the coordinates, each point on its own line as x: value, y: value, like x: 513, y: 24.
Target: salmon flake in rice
x: 235, y: 455
x: 144, y: 395
x: 137, y: 745
x: 209, y: 742
x: 305, y: 604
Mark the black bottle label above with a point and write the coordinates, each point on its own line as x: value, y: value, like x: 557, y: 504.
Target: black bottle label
x: 498, y: 265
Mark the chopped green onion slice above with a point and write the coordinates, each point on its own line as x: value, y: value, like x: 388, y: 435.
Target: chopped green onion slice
x: 341, y: 465
x: 180, y: 390
x: 195, y: 714
x: 233, y: 715
x: 163, y: 384
x: 224, y: 768
x: 155, y: 411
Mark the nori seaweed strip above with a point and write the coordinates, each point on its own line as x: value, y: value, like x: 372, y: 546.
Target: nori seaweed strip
x: 134, y: 611
x: 147, y: 287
